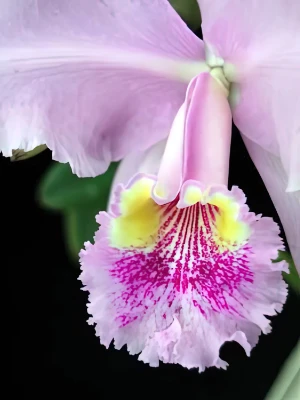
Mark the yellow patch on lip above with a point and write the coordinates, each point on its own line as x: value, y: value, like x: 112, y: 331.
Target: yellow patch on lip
x: 159, y: 191
x: 228, y: 227
x: 139, y: 223
x: 192, y: 195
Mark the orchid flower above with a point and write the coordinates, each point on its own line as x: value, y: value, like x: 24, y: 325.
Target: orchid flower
x: 180, y: 265
x: 179, y: 258
x: 97, y: 80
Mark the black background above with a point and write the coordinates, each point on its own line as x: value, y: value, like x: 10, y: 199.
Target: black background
x: 54, y: 350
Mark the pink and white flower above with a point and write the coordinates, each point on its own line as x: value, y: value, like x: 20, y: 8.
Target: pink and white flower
x: 180, y: 265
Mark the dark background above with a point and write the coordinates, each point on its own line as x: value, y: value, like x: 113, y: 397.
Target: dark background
x: 55, y: 352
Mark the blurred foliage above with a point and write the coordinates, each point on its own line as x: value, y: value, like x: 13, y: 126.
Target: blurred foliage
x: 287, y: 384
x: 189, y: 12
x: 78, y: 199
x: 62, y: 190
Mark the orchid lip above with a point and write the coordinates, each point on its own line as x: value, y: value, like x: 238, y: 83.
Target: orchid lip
x: 157, y: 273
x: 192, y: 192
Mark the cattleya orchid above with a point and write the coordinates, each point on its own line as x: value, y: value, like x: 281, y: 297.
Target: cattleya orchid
x: 179, y: 265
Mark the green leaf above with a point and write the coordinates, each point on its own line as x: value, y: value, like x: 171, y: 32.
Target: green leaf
x: 292, y: 279
x: 80, y: 226
x: 189, y: 12
x: 60, y: 189
x: 79, y: 199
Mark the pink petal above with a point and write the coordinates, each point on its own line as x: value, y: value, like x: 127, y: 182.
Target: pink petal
x: 87, y: 78
x: 287, y: 204
x: 179, y: 293
x: 260, y: 41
